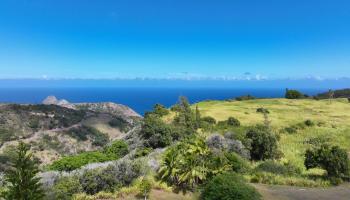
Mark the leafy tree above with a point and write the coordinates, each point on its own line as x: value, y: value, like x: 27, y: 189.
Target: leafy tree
x: 263, y: 143
x: 333, y: 159
x: 23, y: 183
x: 145, y: 188
x: 229, y: 186
x: 96, y: 180
x: 155, y: 132
x: 294, y: 94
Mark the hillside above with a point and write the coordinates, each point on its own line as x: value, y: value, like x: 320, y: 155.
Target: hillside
x: 58, y: 128
x: 332, y: 120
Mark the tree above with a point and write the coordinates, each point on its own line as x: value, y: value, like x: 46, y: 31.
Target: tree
x: 198, y: 118
x: 185, y: 116
x: 263, y: 143
x: 294, y: 94
x: 160, y: 110
x: 21, y: 176
x: 145, y: 188
x: 333, y: 159
x: 156, y: 132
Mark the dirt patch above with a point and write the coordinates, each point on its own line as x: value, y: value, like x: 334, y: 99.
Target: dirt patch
x: 268, y: 192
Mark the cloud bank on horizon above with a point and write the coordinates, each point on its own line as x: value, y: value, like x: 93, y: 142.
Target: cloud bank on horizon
x: 175, y: 40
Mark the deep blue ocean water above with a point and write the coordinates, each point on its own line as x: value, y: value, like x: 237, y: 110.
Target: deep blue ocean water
x: 139, y: 99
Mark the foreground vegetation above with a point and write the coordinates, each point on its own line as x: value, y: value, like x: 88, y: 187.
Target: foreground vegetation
x: 212, y: 150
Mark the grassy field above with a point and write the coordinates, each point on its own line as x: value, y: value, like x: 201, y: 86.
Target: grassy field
x: 332, y: 120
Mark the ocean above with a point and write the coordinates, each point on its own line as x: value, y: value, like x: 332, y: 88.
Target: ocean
x: 138, y: 98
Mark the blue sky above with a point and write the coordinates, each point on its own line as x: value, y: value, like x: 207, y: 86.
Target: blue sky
x: 186, y: 39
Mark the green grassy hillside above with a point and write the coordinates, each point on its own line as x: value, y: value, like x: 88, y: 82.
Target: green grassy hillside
x: 332, y: 120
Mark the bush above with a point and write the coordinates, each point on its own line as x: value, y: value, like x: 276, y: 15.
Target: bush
x: 117, y: 149
x: 278, y: 168
x: 84, y: 132
x: 231, y: 121
x: 94, y: 181
x: 229, y: 186
x: 263, y: 143
x: 294, y: 94
x: 237, y: 163
x: 119, y: 122
x: 143, y: 152
x: 209, y: 120
x: 262, y: 110
x: 160, y: 110
x: 155, y: 132
x: 333, y: 159
x: 145, y: 187
x: 66, y: 187
x: 70, y: 163
x: 309, y: 123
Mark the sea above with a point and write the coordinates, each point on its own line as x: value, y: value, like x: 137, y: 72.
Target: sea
x: 140, y: 99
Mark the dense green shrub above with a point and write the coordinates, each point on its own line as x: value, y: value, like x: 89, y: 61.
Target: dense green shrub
x: 96, y: 180
x: 294, y: 94
x: 263, y: 143
x: 278, y: 168
x: 117, y: 149
x: 229, y: 186
x: 66, y: 187
x: 231, y: 121
x: 237, y: 163
x: 333, y: 159
x: 155, y: 132
x: 70, y: 163
x: 140, y: 152
x: 209, y: 120
x: 309, y: 123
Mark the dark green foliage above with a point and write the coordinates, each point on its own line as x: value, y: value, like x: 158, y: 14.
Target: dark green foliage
x: 143, y: 152
x: 231, y: 121
x: 263, y: 143
x: 262, y: 110
x: 160, y: 110
x: 229, y: 186
x: 309, y: 123
x: 278, y: 168
x: 209, y: 120
x: 23, y: 183
x: 119, y: 123
x: 117, y: 149
x: 237, y: 163
x: 185, y: 116
x: 333, y: 159
x: 155, y: 132
x: 70, y: 163
x: 83, y: 133
x: 66, y: 187
x: 344, y: 93
x: 94, y: 181
x: 294, y: 94
x: 244, y: 98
